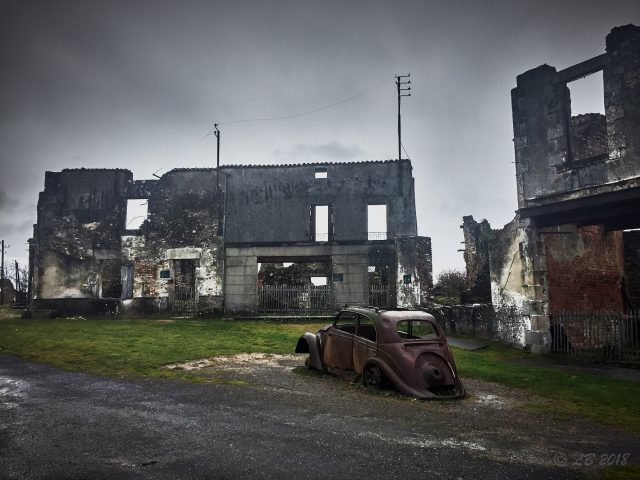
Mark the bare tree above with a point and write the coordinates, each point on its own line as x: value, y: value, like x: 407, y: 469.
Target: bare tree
x: 20, y: 280
x: 450, y: 286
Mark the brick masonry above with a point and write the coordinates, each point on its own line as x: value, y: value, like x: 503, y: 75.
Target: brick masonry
x: 585, y: 267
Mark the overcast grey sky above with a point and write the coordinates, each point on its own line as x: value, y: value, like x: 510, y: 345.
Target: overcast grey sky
x: 131, y: 84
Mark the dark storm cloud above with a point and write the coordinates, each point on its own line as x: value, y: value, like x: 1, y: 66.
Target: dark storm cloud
x: 93, y: 83
x: 329, y: 152
x: 23, y: 227
x: 7, y: 203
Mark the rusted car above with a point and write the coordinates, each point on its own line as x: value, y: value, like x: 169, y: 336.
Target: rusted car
x: 404, y: 348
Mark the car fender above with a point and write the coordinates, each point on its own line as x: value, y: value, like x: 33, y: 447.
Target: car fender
x: 310, y: 343
x: 395, y: 380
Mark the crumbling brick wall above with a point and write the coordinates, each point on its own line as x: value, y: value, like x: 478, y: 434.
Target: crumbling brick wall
x: 588, y: 137
x: 631, y: 279
x: 585, y: 267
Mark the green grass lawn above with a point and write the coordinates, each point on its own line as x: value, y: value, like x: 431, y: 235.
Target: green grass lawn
x: 143, y: 346
x: 564, y: 393
x: 140, y: 347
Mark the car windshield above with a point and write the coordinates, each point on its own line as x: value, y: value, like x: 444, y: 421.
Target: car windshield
x: 417, y: 330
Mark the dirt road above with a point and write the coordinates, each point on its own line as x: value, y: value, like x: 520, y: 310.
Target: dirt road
x: 271, y: 420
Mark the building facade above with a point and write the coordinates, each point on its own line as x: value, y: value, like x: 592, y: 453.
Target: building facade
x: 207, y: 233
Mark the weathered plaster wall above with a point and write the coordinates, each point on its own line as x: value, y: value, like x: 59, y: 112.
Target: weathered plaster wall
x: 272, y: 203
x: 185, y: 215
x: 413, y: 279
x: 82, y: 248
x: 80, y: 216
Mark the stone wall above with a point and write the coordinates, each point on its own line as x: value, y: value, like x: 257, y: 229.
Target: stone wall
x: 477, y: 237
x: 551, y: 146
x: 206, y: 231
x: 273, y: 203
x: 588, y: 137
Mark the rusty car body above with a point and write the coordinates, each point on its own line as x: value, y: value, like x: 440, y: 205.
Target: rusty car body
x: 404, y: 348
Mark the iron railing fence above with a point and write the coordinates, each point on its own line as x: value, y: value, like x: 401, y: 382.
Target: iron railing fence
x: 376, y: 235
x: 603, y: 336
x: 379, y: 295
x: 298, y: 298
x: 184, y: 303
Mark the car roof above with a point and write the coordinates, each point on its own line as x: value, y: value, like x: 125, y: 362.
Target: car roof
x: 386, y: 320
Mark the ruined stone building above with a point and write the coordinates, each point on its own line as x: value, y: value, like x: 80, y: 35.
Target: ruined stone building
x: 572, y: 246
x: 207, y: 232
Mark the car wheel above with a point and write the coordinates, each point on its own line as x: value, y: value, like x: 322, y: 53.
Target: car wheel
x: 373, y: 377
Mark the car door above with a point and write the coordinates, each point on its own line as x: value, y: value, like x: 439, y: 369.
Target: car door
x: 337, y: 347
x: 364, y: 342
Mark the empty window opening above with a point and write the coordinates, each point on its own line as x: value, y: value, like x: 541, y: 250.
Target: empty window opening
x: 319, y: 281
x: 321, y: 223
x: 321, y: 172
x: 377, y: 222
x: 586, y: 119
x: 294, y: 274
x: 587, y: 94
x: 137, y: 210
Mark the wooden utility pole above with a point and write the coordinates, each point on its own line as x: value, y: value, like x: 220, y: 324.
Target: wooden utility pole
x: 399, y: 84
x: 17, y: 278
x: 2, y: 276
x: 217, y: 134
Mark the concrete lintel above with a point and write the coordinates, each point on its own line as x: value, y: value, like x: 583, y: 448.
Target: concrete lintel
x: 185, y: 253
x: 582, y: 69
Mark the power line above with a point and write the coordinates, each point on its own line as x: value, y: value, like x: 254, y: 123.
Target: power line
x: 309, y: 112
x: 264, y: 119
x: 405, y: 152
x: 200, y: 140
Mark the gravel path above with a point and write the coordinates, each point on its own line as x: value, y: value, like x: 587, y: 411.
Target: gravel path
x: 278, y: 421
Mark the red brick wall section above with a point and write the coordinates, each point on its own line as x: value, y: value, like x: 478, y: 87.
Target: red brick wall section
x: 584, y: 269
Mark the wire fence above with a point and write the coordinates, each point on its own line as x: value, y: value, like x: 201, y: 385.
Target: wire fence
x: 604, y: 336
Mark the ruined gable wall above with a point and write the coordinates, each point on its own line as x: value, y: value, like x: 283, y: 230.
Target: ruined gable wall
x: 477, y: 237
x: 551, y: 163
x: 80, y: 216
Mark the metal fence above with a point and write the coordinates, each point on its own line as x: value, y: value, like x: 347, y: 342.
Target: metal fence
x: 184, y: 303
x: 603, y: 336
x: 379, y: 295
x: 303, y: 298
x: 376, y: 235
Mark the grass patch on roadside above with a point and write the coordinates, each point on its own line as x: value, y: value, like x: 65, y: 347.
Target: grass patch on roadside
x: 144, y: 346
x: 140, y: 347
x: 566, y: 393
x: 618, y: 472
